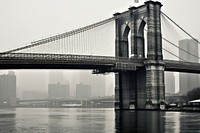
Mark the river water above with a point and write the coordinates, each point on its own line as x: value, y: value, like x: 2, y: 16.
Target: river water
x: 62, y: 120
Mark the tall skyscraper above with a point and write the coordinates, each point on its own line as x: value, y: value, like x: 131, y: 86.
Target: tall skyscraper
x: 58, y: 90
x: 8, y: 89
x: 169, y: 82
x: 188, y: 81
x: 83, y: 90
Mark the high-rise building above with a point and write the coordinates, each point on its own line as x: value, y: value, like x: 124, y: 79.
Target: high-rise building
x: 169, y: 82
x: 8, y: 89
x: 188, y: 81
x: 58, y: 90
x: 97, y: 82
x: 83, y: 90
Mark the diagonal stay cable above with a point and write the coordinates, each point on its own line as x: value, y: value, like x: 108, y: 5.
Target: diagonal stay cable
x: 180, y: 48
x: 180, y: 27
x: 172, y: 54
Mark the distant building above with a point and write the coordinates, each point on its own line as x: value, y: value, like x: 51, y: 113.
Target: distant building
x: 8, y: 89
x: 97, y: 82
x: 188, y: 81
x: 83, y: 90
x: 58, y: 90
x: 169, y: 83
x: 33, y: 95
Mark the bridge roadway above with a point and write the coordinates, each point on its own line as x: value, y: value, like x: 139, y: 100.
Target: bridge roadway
x: 182, y: 66
x: 67, y: 61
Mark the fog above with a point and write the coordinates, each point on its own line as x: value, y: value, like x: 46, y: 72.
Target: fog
x: 23, y: 21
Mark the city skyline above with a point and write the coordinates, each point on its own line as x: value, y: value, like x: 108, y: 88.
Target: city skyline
x: 38, y: 81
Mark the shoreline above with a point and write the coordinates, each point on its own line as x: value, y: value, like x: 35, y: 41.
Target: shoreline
x: 165, y: 110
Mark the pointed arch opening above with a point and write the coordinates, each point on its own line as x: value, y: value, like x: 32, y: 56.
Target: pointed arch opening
x: 126, y: 41
x: 141, y: 37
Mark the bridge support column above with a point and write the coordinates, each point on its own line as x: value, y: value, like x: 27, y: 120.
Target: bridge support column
x: 155, y: 88
x: 125, y: 90
x: 141, y: 88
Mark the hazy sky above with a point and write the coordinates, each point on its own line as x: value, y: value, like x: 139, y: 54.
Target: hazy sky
x: 23, y: 21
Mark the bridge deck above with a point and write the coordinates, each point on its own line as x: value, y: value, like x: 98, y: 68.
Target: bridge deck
x: 65, y: 61
x: 182, y: 66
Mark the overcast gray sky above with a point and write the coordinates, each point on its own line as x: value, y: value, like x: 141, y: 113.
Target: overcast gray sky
x: 23, y: 21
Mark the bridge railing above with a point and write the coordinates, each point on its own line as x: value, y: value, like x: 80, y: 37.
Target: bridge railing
x: 61, y: 57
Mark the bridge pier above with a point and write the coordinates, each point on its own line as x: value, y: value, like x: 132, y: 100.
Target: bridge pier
x: 141, y: 88
x: 125, y: 90
x: 130, y: 89
x: 155, y: 88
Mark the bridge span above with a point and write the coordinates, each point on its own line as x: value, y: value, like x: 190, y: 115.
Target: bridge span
x: 103, y: 63
x: 66, y: 61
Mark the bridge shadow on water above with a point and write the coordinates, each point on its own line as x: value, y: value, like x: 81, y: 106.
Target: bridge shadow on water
x: 139, y: 121
x: 157, y: 122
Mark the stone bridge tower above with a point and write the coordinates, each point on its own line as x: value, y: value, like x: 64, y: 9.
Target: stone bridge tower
x: 143, y: 88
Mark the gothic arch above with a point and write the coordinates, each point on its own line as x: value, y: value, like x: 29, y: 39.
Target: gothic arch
x: 125, y: 32
x: 140, y: 29
x: 140, y: 39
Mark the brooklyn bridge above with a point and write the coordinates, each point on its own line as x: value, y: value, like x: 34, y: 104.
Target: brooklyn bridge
x: 137, y: 61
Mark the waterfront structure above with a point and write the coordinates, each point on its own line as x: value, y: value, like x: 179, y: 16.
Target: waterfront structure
x: 188, y: 81
x: 8, y: 89
x: 83, y: 90
x: 58, y: 90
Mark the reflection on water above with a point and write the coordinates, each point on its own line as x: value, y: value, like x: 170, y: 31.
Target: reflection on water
x: 7, y: 120
x: 61, y: 120
x: 140, y: 121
